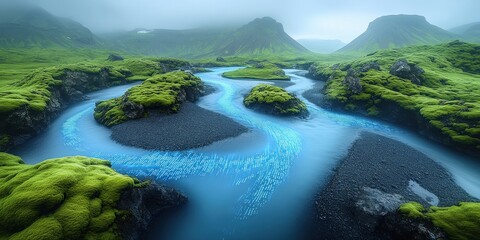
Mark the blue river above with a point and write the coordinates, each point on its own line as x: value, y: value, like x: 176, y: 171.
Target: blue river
x: 259, y: 185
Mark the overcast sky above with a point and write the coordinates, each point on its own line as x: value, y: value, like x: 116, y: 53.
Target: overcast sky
x: 323, y: 19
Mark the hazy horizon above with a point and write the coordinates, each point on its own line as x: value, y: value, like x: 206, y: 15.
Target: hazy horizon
x: 305, y: 19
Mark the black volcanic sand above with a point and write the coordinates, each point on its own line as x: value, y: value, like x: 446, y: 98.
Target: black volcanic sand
x: 381, y: 163
x: 314, y: 95
x: 191, y: 127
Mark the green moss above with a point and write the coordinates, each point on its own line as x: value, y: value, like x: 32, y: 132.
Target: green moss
x: 161, y: 93
x: 275, y: 100
x: 459, y: 222
x: 412, y: 210
x: 264, y: 71
x: 64, y: 198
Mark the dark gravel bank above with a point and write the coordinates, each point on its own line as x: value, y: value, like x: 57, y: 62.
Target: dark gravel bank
x: 315, y: 95
x: 191, y: 127
x: 380, y: 168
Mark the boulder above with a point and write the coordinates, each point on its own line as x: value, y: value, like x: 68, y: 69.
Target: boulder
x: 370, y: 66
x: 133, y: 110
x: 352, y: 81
x: 221, y: 59
x: 405, y: 70
x: 142, y: 204
x: 114, y: 58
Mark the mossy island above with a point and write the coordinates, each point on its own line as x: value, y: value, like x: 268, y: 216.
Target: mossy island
x: 162, y: 93
x: 71, y: 198
x: 258, y: 70
x: 275, y: 100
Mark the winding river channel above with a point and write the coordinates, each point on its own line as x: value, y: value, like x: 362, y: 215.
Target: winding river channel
x: 259, y: 185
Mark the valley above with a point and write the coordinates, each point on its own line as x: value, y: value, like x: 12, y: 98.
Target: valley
x: 237, y: 132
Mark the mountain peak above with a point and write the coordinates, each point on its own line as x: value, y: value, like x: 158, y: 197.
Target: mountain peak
x: 266, y: 22
x: 395, y: 31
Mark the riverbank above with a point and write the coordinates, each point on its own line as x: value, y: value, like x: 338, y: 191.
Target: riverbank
x: 191, y: 127
x: 376, y: 176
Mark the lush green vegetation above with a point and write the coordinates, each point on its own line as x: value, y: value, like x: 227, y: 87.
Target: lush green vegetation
x: 274, y: 100
x: 459, y: 222
x: 64, y: 198
x: 163, y: 92
x: 262, y: 70
x: 447, y: 101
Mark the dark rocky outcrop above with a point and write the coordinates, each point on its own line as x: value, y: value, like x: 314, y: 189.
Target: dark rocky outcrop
x: 220, y: 59
x: 405, y: 70
x: 370, y: 66
x: 399, y: 227
x: 115, y: 57
x: 352, y: 81
x: 142, y: 204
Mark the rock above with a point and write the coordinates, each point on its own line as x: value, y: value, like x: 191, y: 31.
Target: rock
x: 398, y: 227
x: 405, y: 70
x: 133, y: 110
x: 142, y: 204
x: 220, y: 59
x: 352, y: 81
x: 115, y: 57
x: 370, y: 66
x: 376, y: 202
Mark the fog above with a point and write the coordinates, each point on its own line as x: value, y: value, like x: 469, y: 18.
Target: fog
x: 322, y: 19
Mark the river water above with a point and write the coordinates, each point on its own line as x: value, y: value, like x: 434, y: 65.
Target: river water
x: 259, y: 185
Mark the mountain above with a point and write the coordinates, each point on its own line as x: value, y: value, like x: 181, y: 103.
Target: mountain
x: 259, y: 37
x: 22, y: 26
x: 321, y: 46
x: 395, y: 31
x: 470, y: 32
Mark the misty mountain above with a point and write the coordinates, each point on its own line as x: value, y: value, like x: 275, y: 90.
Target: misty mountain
x: 321, y: 45
x: 395, y: 31
x: 469, y: 32
x: 261, y: 36
x: 22, y: 26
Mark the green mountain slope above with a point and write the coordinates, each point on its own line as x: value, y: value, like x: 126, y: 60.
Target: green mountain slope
x: 34, y: 27
x: 321, y: 45
x: 397, y: 31
x: 469, y: 32
x: 259, y: 37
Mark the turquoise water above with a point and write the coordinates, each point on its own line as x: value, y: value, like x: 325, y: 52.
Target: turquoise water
x: 259, y: 185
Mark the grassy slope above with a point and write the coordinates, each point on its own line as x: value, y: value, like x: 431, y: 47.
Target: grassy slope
x: 65, y: 198
x: 274, y: 100
x: 160, y: 92
x: 264, y: 71
x: 448, y: 100
x: 459, y: 222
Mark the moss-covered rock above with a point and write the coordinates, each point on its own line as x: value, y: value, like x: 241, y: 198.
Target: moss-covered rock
x: 258, y: 70
x: 428, y: 88
x: 461, y: 222
x: 63, y: 198
x: 274, y: 100
x: 164, y: 93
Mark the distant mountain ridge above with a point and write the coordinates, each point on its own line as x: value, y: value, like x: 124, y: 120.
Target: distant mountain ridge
x: 263, y: 36
x: 321, y: 45
x: 35, y: 27
x: 469, y: 32
x: 396, y: 31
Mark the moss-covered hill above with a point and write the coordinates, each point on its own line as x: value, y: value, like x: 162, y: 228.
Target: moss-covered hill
x: 434, y: 89
x: 460, y: 222
x: 65, y: 198
x: 274, y: 100
x: 164, y: 93
x: 261, y: 70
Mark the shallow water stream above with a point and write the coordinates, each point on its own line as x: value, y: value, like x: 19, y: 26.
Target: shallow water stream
x: 259, y: 185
